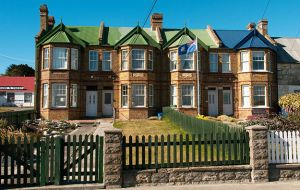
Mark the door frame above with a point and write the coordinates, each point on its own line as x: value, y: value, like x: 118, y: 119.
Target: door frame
x: 216, y: 91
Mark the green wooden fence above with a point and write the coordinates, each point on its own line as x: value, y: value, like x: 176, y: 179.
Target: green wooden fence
x: 184, y: 151
x: 17, y: 117
x: 193, y: 125
x: 35, y: 161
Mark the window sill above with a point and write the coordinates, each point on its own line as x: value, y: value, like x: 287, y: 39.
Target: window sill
x: 255, y: 107
x: 253, y: 71
x: 187, y: 107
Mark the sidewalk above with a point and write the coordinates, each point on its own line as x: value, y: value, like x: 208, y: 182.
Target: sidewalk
x: 294, y: 185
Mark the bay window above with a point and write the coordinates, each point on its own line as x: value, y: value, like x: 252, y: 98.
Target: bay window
x: 124, y: 95
x: 45, y: 95
x: 138, y: 59
x: 74, y: 58
x: 187, y: 95
x: 106, y: 61
x: 173, y: 96
x: 151, y: 96
x: 59, y: 95
x: 244, y: 61
x: 173, y: 60
x: 245, y: 96
x: 60, y: 58
x: 187, y: 61
x: 46, y: 54
x: 138, y: 95
x: 259, y: 95
x: 226, y: 68
x: 93, y: 60
x: 150, y: 60
x: 258, y: 60
x: 74, y: 92
x: 124, y: 60
x: 213, y: 62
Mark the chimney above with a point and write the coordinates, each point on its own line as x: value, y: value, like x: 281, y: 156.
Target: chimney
x: 44, y: 17
x: 156, y: 21
x: 262, y: 26
x: 51, y: 22
x: 251, y: 26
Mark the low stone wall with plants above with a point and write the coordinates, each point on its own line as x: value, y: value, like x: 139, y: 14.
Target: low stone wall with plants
x: 192, y: 175
x: 284, y: 172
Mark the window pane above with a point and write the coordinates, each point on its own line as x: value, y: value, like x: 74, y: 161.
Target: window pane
x: 173, y: 60
x: 74, y: 59
x: 187, y: 61
x: 45, y: 95
x: 213, y: 62
x: 107, y: 98
x: 138, y: 59
x: 124, y: 95
x: 46, y: 58
x: 187, y: 94
x: 173, y: 95
x: 225, y: 62
x: 59, y: 95
x: 150, y: 60
x: 244, y: 61
x: 138, y: 95
x: 106, y: 61
x: 124, y: 65
x: 93, y: 60
x: 259, y: 96
x: 73, y: 95
x: 60, y: 58
x: 245, y: 96
x: 258, y: 60
x: 226, y: 98
x: 27, y: 97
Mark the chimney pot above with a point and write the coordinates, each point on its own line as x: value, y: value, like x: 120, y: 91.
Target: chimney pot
x: 156, y: 21
x: 251, y: 26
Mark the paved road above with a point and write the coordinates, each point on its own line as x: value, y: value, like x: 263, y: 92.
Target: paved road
x: 295, y: 185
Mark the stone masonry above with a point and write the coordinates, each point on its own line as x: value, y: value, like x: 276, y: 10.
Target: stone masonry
x: 259, y: 153
x: 113, y: 158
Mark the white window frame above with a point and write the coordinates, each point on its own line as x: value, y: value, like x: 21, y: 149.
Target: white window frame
x: 46, y: 56
x: 173, y: 60
x: 124, y: 95
x: 173, y: 96
x: 150, y: 60
x: 106, y: 61
x: 186, y: 58
x: 55, y: 94
x: 226, y: 63
x: 264, y: 61
x: 265, y: 96
x: 244, y: 96
x: 151, y: 95
x: 93, y: 61
x: 26, y: 94
x: 45, y: 95
x: 211, y: 63
x: 245, y: 62
x: 124, y: 59
x: 192, y: 95
x: 60, y: 62
x: 142, y: 88
x: 74, y: 95
x: 143, y: 60
x: 74, y: 59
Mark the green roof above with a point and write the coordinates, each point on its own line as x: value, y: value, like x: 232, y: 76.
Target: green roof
x: 136, y: 39
x: 182, y: 40
x: 88, y: 34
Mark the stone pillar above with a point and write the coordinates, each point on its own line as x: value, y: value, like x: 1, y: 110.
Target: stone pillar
x: 258, y: 153
x: 113, y: 158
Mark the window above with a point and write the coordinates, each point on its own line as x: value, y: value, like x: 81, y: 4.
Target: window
x: 173, y: 96
x: 74, y: 92
x: 173, y: 60
x: 93, y: 60
x: 124, y: 64
x: 245, y: 96
x: 74, y: 59
x: 259, y: 95
x: 45, y: 95
x: 27, y: 97
x: 150, y: 60
x: 244, y: 61
x: 187, y: 61
x: 213, y: 62
x: 59, y: 95
x: 226, y: 68
x: 60, y: 58
x: 151, y: 96
x: 46, y: 58
x: 124, y: 95
x: 106, y: 61
x: 187, y: 95
x: 226, y: 97
x: 258, y: 60
x: 138, y: 59
x: 138, y: 95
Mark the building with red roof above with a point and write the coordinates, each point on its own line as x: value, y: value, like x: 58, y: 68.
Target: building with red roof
x: 17, y: 91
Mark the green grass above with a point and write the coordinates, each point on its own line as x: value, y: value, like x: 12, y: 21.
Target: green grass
x: 148, y: 127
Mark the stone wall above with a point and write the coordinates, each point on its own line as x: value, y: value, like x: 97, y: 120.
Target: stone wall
x: 284, y: 172
x: 192, y: 175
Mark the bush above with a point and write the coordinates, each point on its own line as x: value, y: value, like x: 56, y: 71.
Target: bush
x: 290, y: 103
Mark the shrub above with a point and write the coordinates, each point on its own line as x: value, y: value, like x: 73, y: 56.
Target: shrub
x: 290, y: 103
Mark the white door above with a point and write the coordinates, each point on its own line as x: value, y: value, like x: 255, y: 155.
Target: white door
x: 91, y: 103
x: 227, y: 101
x: 107, y: 102
x: 212, y: 101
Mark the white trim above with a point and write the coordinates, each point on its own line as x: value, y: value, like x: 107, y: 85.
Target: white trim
x: 259, y: 70
x: 144, y: 66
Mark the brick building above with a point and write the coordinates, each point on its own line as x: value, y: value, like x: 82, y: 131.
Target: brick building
x: 132, y: 72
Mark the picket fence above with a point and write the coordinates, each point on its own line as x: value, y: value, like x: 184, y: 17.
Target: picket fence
x: 284, y: 146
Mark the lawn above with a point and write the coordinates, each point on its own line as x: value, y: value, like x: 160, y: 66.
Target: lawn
x: 148, y: 127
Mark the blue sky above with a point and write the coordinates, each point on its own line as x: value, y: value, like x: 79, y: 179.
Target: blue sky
x: 20, y: 18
